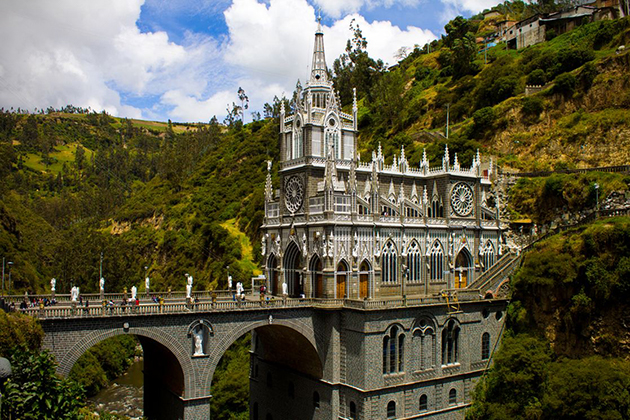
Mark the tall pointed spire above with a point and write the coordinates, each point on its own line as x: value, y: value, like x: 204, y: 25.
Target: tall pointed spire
x: 318, y: 69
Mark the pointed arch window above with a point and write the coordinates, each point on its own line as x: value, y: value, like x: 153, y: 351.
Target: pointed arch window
x: 437, y: 262
x: 332, y: 138
x: 389, y: 263
x: 437, y: 209
x: 424, y: 344
x: 394, y: 351
x: 298, y: 142
x: 488, y: 256
x: 413, y: 263
x: 450, y: 343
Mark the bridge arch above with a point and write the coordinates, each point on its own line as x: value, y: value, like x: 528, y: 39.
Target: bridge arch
x: 149, y: 336
x: 301, y: 335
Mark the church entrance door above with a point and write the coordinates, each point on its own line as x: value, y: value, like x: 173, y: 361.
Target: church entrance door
x: 292, y: 270
x: 462, y: 266
x: 342, y: 273
x: 364, y: 277
x: 317, y: 277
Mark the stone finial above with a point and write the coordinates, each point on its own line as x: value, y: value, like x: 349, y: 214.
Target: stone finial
x: 403, y: 160
x: 355, y: 107
x: 395, y: 164
x: 425, y: 196
x: 456, y: 163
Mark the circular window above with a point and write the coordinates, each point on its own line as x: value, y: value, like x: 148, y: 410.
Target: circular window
x: 294, y: 194
x: 462, y: 199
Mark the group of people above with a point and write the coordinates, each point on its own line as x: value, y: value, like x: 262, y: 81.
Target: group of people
x: 36, y: 302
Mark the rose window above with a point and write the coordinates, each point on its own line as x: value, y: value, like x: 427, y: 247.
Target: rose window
x: 294, y: 194
x: 462, y: 199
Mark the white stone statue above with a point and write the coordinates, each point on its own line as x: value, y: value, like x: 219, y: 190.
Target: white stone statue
x: 285, y: 289
x: 198, y: 335
x: 188, y: 290
x: 147, y: 284
x: 74, y: 293
x: 331, y: 245
x: 229, y: 282
x: 377, y: 246
x: 263, y: 243
x: 53, y: 284
x: 278, y: 244
x: 355, y: 246
x: 304, y: 248
x: 134, y: 290
x: 239, y: 289
x: 189, y: 279
x: 101, y: 283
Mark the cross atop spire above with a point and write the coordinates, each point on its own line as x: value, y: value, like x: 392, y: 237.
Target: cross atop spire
x: 319, y: 73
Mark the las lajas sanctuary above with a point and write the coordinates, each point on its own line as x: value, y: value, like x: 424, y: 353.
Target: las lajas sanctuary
x: 338, y: 228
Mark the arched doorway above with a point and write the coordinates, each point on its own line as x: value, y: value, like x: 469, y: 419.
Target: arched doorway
x: 272, y: 274
x: 463, y: 264
x: 342, y: 280
x: 364, y: 279
x: 317, y: 277
x: 293, y: 270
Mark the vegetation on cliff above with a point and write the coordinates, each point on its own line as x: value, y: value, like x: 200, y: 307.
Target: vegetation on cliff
x: 565, y: 350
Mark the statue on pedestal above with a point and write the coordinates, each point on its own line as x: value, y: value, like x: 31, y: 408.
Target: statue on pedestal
x: 134, y: 290
x: 53, y: 284
x: 189, y: 284
x: 147, y: 285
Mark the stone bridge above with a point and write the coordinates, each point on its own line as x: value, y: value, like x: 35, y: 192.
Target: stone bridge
x: 324, y: 356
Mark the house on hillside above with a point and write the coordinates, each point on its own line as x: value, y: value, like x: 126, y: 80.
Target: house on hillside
x: 538, y: 28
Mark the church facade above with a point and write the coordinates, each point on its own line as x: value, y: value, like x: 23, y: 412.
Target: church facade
x: 395, y: 241
x: 338, y: 227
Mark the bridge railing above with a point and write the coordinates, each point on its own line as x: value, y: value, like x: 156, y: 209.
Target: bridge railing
x: 77, y: 311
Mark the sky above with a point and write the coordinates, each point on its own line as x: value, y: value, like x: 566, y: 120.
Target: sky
x: 184, y: 60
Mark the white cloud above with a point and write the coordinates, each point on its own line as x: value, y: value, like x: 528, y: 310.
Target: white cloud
x: 273, y: 43
x: 92, y: 53
x: 455, y: 8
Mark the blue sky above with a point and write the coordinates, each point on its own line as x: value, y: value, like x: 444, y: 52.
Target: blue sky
x: 184, y: 60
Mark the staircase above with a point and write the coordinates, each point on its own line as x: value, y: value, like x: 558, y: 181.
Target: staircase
x: 491, y: 279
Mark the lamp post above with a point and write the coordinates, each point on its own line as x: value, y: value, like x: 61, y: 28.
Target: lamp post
x: 448, y: 112
x: 10, y: 263
x: 3, y: 276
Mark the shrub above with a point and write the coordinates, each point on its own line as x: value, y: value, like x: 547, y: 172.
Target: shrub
x: 564, y: 84
x: 532, y: 106
x: 483, y: 119
x: 537, y: 77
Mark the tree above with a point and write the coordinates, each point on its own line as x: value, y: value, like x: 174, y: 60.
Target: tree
x: 464, y: 52
x: 244, y: 101
x: 355, y: 68
x: 30, y: 134
x: 456, y: 29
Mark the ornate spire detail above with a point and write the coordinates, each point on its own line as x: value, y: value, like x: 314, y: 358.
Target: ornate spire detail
x: 375, y: 186
x: 379, y: 157
x: 282, y: 110
x: 403, y: 160
x: 392, y: 192
x: 478, y: 159
x: 395, y: 165
x: 446, y: 159
x: 355, y: 107
x: 268, y: 185
x: 456, y: 163
x: 424, y: 165
x: 414, y: 193
x: 330, y: 171
x: 490, y: 169
x: 425, y: 196
x: 319, y: 72
x: 435, y: 194
x: 401, y: 193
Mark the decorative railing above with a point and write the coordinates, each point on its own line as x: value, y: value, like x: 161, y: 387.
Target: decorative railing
x: 209, y: 304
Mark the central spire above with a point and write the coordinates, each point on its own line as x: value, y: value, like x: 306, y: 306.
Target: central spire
x: 319, y: 69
